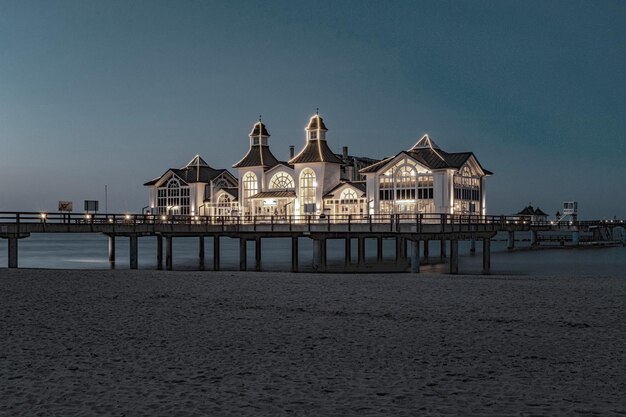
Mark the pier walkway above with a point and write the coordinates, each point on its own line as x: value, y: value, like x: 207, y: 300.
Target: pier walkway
x: 408, y: 230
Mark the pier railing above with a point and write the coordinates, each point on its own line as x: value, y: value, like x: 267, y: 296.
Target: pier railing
x: 412, y: 223
x: 422, y: 218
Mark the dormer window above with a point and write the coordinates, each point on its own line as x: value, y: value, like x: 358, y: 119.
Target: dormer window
x: 313, y: 135
x: 255, y: 141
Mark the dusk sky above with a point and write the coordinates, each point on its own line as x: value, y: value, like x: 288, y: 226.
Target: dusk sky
x: 96, y: 93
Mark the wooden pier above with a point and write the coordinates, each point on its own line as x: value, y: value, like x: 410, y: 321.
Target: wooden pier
x: 409, y: 232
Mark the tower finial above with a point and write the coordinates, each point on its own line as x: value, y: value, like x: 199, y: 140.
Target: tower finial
x: 317, y: 111
x: 259, y: 117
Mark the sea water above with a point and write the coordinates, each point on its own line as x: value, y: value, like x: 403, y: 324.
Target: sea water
x: 90, y: 251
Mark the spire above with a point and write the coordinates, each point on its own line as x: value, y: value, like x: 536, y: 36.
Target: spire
x: 259, y: 153
x: 316, y: 128
x: 425, y: 143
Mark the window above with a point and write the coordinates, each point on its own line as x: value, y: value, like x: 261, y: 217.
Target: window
x: 307, y: 190
x: 466, y: 191
x: 348, y: 196
x: 249, y: 185
x: 406, y: 188
x: 282, y: 180
x: 173, y: 198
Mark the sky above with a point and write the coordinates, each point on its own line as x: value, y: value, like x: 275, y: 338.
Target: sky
x: 113, y: 93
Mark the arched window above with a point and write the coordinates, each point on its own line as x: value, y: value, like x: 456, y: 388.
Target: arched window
x: 405, y: 183
x: 173, y: 192
x: 224, y: 200
x: 348, y: 196
x: 281, y: 180
x: 466, y: 191
x: 307, y: 190
x: 250, y: 186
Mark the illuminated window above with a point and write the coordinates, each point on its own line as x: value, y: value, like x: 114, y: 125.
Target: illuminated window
x: 307, y: 190
x: 404, y: 188
x: 173, y: 198
x: 250, y: 186
x: 282, y: 180
x: 466, y: 191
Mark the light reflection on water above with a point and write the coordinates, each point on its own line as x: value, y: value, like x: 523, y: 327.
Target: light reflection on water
x: 89, y: 251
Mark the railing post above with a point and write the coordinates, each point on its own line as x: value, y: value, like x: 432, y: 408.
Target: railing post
x: 349, y: 222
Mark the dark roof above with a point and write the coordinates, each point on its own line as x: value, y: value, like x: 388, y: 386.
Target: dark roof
x: 258, y: 155
x: 191, y: 174
x: 316, y: 123
x: 539, y: 212
x: 315, y: 151
x: 431, y: 159
x: 528, y: 211
x: 274, y: 194
x: 359, y: 185
x: 259, y: 129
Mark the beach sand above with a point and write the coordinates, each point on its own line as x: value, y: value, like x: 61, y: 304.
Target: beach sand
x: 133, y: 343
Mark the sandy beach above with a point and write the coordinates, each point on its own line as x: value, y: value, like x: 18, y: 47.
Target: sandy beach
x: 134, y: 343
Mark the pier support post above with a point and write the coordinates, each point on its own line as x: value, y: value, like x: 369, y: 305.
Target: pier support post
x: 442, y: 251
x: 533, y: 238
x: 361, y: 250
x: 348, y: 252
x: 216, y: 253
x: 379, y: 249
x: 511, y: 241
x: 159, y: 252
x: 317, y: 254
x: 323, y: 254
x: 112, y: 249
x: 169, y: 241
x: 473, y: 245
x: 426, y: 250
x: 294, y: 254
x: 454, y: 256
x: 400, y: 248
x: 133, y: 251
x: 243, y: 254
x: 575, y: 237
x: 257, y: 254
x: 12, y: 252
x: 486, y: 256
x: 415, y: 256
x: 201, y: 253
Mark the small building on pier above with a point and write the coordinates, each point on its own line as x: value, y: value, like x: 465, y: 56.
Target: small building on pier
x: 533, y: 214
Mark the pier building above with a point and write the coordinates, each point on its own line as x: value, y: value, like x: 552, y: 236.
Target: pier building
x: 189, y: 190
x: 426, y: 179
x: 317, y: 181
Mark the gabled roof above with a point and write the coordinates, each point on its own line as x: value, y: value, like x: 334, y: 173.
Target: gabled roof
x: 530, y: 211
x: 358, y: 185
x: 232, y: 191
x: 196, y: 170
x: 315, y: 151
x: 427, y: 153
x: 257, y: 156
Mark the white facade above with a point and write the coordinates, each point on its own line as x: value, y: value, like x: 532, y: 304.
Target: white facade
x: 426, y: 179
x: 422, y: 179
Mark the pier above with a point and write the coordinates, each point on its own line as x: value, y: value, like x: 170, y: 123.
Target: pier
x: 410, y: 232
